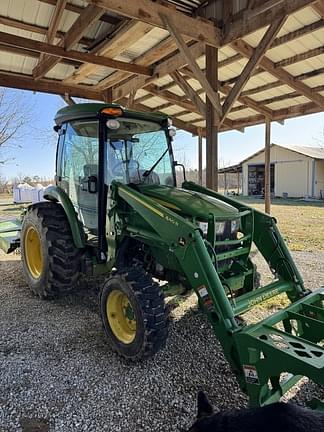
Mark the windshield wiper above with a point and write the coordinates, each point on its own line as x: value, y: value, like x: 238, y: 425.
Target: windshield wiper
x: 148, y: 172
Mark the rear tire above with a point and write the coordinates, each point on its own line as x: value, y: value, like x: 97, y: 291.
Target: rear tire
x: 50, y: 260
x: 134, y: 314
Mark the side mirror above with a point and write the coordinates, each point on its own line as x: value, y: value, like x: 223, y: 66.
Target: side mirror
x: 92, y: 184
x: 175, y: 164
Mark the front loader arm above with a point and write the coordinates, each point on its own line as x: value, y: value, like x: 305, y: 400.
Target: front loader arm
x: 267, y: 239
x: 184, y: 240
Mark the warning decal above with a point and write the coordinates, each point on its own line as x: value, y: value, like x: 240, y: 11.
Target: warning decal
x: 251, y: 374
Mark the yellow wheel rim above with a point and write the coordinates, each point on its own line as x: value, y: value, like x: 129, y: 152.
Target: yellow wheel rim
x: 121, y: 317
x: 33, y: 252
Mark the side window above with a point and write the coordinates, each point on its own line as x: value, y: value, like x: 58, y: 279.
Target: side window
x: 79, y: 162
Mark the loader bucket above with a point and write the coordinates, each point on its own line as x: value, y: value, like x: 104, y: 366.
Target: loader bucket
x: 10, y: 235
x: 288, y: 342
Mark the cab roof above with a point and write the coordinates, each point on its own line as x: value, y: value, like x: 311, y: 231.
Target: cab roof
x: 92, y: 110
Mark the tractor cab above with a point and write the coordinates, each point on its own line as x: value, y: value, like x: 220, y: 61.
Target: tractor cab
x: 99, y: 144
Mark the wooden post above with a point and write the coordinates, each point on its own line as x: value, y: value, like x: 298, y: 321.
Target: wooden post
x: 267, y: 165
x: 200, y: 160
x: 238, y: 182
x: 212, y: 120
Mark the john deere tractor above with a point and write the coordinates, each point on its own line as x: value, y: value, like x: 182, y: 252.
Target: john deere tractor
x: 116, y: 210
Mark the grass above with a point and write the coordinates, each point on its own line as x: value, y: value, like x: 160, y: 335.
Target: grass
x: 300, y: 222
x: 9, y: 210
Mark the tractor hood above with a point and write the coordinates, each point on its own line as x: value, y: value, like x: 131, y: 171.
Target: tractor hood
x: 188, y: 203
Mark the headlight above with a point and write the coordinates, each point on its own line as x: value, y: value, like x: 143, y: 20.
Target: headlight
x: 235, y: 225
x: 219, y: 228
x: 203, y: 226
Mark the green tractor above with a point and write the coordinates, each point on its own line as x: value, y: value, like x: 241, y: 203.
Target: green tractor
x: 116, y: 210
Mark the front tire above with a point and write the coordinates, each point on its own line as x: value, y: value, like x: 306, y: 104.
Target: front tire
x: 50, y: 260
x: 134, y: 314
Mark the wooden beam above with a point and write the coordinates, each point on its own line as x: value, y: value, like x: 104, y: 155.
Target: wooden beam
x: 226, y: 89
x: 158, y: 52
x: 269, y: 66
x: 278, y: 83
x: 281, y: 114
x: 212, y: 120
x: 190, y: 93
x: 57, y: 51
x: 319, y: 8
x: 131, y: 99
x: 33, y: 28
x: 246, y: 24
x: 300, y: 57
x: 67, y: 99
x: 253, y: 62
x: 176, y: 122
x: 200, y: 160
x: 184, y: 50
x: 172, y: 98
x: 308, y: 29
x: 89, y: 15
x: 79, y: 9
x: 151, y: 13
x: 164, y: 68
x: 131, y: 30
x: 32, y: 54
x: 54, y: 23
x: 267, y: 166
x: 263, y: 7
x: 26, y: 82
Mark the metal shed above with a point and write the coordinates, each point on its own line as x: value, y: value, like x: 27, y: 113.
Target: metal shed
x: 213, y: 65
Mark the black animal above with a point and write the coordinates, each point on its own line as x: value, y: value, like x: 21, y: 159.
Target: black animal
x: 277, y: 417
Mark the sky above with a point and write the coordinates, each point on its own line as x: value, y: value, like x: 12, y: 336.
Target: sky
x: 36, y: 154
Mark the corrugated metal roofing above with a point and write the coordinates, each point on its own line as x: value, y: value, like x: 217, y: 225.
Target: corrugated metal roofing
x: 261, y: 87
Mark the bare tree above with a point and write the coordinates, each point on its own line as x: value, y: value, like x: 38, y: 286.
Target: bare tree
x: 15, y: 114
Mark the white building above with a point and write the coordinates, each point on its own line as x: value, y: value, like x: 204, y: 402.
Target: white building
x: 295, y: 172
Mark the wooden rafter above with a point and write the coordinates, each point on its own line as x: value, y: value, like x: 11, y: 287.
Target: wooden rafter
x: 67, y: 99
x: 164, y: 68
x: 281, y: 114
x: 131, y: 99
x: 226, y: 89
x: 79, y: 10
x: 190, y: 93
x: 112, y: 47
x: 247, y: 24
x: 60, y: 52
x: 32, y: 54
x: 300, y: 57
x: 25, y: 82
x: 54, y: 23
x: 89, y: 15
x: 286, y: 78
x: 151, y: 13
x: 253, y: 62
x: 200, y: 76
x: 158, y: 52
x: 319, y: 7
x: 176, y: 122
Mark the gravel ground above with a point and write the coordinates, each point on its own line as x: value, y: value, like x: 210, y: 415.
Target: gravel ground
x: 58, y: 373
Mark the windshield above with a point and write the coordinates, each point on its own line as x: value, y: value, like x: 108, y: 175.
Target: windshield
x: 138, y: 152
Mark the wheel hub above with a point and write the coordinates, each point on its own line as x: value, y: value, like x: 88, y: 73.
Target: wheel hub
x: 33, y: 252
x: 121, y: 316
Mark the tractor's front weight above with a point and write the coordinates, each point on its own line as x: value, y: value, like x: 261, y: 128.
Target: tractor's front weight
x: 260, y: 353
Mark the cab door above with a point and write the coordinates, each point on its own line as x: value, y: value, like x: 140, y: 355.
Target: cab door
x: 79, y: 170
